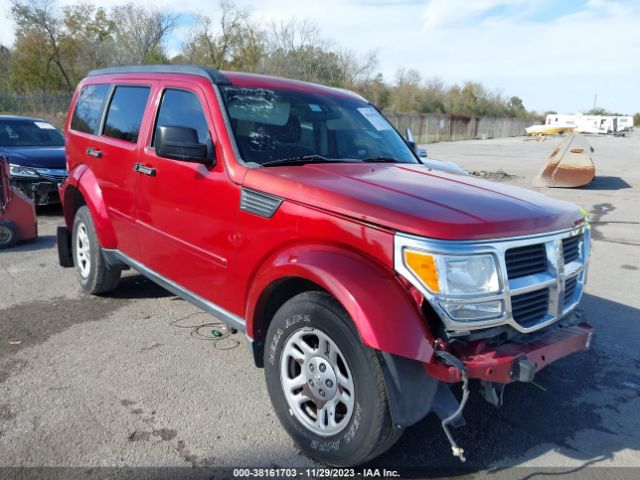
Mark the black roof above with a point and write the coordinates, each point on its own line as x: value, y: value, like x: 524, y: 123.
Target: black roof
x: 210, y: 73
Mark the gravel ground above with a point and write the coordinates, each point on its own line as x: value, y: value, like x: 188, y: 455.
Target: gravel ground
x: 125, y: 380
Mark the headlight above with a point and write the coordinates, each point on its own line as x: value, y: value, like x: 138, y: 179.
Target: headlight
x: 463, y: 286
x: 454, y: 274
x: 466, y: 312
x: 20, y: 171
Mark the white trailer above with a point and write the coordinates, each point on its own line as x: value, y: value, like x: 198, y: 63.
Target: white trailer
x: 596, y: 124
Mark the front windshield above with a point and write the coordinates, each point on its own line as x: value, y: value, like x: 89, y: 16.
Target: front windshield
x: 271, y: 125
x: 29, y: 133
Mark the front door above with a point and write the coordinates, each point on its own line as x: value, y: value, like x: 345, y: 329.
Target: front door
x: 186, y: 212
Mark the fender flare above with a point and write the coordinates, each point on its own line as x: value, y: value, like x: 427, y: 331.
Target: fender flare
x: 385, y: 315
x: 83, y: 180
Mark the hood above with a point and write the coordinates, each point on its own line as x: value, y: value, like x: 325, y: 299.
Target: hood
x: 418, y: 200
x: 38, y: 157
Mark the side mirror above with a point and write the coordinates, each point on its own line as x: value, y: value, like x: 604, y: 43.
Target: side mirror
x: 422, y: 152
x: 181, y: 143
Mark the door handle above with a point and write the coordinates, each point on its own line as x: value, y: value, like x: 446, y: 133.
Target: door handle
x: 94, y: 153
x: 140, y: 168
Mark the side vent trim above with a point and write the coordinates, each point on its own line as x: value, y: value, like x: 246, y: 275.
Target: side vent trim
x: 259, y: 203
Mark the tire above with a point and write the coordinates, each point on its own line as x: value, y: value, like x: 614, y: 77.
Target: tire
x: 8, y: 234
x: 94, y: 275
x: 355, y: 424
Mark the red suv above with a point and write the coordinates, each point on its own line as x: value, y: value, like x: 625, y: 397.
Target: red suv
x: 366, y: 282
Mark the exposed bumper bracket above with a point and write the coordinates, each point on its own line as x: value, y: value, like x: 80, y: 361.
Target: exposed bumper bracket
x: 522, y: 370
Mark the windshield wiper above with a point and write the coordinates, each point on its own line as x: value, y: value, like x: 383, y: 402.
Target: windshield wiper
x: 380, y: 159
x: 304, y: 159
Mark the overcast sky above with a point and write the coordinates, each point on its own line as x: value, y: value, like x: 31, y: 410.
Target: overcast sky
x: 554, y: 54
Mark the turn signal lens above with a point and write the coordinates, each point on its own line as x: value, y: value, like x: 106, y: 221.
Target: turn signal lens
x: 424, y: 267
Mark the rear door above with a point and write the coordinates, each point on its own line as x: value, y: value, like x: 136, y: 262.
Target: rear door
x: 113, y: 154
x: 186, y: 212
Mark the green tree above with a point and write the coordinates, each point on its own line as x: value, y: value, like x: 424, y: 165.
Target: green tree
x: 5, y: 68
x: 596, y: 111
x: 375, y: 90
x: 88, y: 40
x: 38, y: 36
x: 405, y: 96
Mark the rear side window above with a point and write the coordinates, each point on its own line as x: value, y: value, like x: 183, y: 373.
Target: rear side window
x: 183, y: 109
x: 125, y: 113
x: 88, y: 112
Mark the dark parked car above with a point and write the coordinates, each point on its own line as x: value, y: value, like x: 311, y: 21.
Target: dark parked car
x: 35, y: 150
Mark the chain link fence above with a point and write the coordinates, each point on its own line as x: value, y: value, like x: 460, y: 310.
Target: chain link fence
x: 50, y: 107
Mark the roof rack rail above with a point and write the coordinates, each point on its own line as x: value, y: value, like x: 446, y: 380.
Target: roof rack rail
x: 206, y: 72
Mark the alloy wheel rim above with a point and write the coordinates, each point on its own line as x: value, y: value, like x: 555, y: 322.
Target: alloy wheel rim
x: 83, y: 251
x: 317, y: 382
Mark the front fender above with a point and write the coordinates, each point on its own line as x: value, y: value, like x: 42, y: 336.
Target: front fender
x: 84, y: 181
x: 385, y: 315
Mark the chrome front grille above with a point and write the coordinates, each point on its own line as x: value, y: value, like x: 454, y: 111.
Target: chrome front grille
x: 570, y: 287
x: 571, y: 248
x: 546, y: 279
x: 531, y: 307
x: 527, y: 260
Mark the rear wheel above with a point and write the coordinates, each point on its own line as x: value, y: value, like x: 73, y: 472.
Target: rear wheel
x: 326, y: 387
x: 94, y: 274
x: 8, y: 234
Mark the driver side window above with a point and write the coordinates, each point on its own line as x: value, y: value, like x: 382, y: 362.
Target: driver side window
x: 182, y: 108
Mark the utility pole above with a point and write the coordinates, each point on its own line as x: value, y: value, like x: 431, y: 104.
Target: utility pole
x: 595, y: 99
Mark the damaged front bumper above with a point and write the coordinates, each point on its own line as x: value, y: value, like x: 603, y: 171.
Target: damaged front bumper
x: 42, y: 192
x: 514, y: 360
x: 502, y: 364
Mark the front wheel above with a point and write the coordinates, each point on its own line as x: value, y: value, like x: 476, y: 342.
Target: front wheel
x: 94, y: 274
x: 8, y: 234
x: 327, y: 388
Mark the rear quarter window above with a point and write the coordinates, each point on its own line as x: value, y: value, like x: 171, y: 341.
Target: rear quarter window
x: 125, y: 113
x: 88, y: 111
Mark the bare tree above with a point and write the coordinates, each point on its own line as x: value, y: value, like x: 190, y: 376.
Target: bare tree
x: 141, y: 33
x: 296, y: 49
x: 294, y: 34
x: 232, y: 41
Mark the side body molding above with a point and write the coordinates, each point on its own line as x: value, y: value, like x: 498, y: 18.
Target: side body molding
x: 83, y: 180
x: 383, y: 311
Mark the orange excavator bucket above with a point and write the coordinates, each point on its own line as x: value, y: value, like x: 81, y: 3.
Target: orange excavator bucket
x: 569, y: 165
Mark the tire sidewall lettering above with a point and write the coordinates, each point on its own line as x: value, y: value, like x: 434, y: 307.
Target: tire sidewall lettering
x: 355, y: 424
x: 288, y: 323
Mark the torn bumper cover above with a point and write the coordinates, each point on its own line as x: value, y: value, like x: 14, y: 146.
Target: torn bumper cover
x: 513, y: 361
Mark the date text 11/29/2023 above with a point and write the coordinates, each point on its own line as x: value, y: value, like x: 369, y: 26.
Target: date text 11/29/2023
x: 314, y: 473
